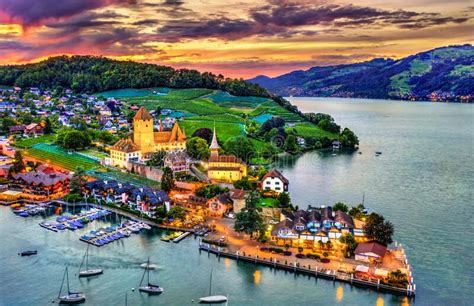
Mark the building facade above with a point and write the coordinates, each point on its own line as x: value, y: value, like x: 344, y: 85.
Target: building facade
x: 146, y: 141
x: 274, y: 181
x: 224, y: 168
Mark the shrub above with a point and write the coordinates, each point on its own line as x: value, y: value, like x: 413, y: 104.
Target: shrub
x: 300, y: 256
x: 287, y: 253
x: 313, y: 256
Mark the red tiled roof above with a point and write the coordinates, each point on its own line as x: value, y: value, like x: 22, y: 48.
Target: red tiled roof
x: 275, y: 173
x: 142, y: 114
x: 371, y: 247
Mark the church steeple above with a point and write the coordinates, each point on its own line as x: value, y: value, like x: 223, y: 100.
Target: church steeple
x: 214, y: 147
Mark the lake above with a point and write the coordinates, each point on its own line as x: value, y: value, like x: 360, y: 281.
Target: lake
x: 422, y: 182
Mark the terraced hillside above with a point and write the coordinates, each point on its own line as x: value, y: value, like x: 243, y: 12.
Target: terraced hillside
x: 442, y: 74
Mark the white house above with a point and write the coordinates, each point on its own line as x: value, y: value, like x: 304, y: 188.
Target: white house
x: 274, y: 181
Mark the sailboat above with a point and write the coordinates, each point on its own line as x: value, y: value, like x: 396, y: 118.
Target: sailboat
x: 88, y: 272
x: 211, y: 299
x: 149, y: 288
x: 70, y: 297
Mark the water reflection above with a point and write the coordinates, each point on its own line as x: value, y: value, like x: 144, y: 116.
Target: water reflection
x: 256, y: 277
x: 339, y: 293
x: 379, y: 301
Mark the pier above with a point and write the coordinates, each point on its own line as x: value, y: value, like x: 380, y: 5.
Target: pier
x: 316, y: 272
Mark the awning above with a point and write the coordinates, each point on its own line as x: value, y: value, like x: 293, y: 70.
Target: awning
x: 362, y: 268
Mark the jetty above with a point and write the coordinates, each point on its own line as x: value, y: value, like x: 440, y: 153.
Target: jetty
x: 181, y: 237
x: 110, y: 234
x: 317, y: 272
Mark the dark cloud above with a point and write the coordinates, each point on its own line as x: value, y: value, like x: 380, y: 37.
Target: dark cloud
x: 85, y: 20
x: 146, y: 22
x: 33, y: 12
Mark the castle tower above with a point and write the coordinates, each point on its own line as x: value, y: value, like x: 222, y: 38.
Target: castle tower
x: 143, y: 135
x: 214, y: 147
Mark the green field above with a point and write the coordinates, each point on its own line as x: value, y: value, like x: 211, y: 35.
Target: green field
x: 25, y: 143
x: 225, y: 130
x: 56, y: 156
x: 305, y: 129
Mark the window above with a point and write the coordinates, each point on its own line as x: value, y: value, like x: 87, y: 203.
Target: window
x: 277, y: 183
x: 277, y: 188
x: 268, y: 182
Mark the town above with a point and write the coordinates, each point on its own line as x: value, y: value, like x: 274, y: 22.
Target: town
x: 145, y: 165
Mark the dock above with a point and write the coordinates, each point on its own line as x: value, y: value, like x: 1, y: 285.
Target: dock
x: 181, y: 237
x: 315, y: 271
x: 123, y: 231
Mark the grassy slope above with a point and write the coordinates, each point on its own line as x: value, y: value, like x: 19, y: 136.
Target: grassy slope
x: 25, y: 143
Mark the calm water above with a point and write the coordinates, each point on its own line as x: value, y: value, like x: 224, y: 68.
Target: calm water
x: 422, y: 182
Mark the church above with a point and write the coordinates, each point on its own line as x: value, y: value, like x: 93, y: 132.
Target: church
x: 224, y: 168
x: 146, y: 141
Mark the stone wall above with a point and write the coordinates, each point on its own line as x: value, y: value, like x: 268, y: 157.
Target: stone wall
x: 151, y: 173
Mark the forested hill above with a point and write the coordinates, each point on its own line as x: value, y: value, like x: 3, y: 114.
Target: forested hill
x: 88, y: 74
x: 442, y: 74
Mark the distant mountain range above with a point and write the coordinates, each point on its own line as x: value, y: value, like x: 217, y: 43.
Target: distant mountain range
x: 442, y: 74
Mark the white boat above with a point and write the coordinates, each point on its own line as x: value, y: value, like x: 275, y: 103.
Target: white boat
x: 149, y: 288
x: 70, y: 297
x: 150, y: 266
x: 212, y: 299
x: 88, y: 272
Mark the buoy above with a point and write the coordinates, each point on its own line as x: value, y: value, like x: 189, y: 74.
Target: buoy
x: 133, y: 289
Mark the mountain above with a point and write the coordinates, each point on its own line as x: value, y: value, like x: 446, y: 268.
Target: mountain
x: 443, y: 74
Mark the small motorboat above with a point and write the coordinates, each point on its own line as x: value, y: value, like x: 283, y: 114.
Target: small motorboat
x: 28, y: 253
x: 24, y: 214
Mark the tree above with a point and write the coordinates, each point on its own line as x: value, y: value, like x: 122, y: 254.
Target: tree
x: 210, y: 191
x: 357, y: 211
x: 204, y: 133
x: 18, y: 163
x: 78, y: 181
x: 350, y: 242
x: 156, y: 159
x: 397, y: 278
x: 48, y: 129
x: 177, y: 213
x: 198, y: 148
x: 284, y: 199
x: 249, y: 220
x: 300, y: 249
x: 329, y: 126
x: 167, y: 180
x: 73, y: 139
x: 7, y: 122
x: 377, y: 228
x: 241, y: 147
x: 244, y: 184
x: 348, y: 139
x: 340, y: 206
x: 290, y: 144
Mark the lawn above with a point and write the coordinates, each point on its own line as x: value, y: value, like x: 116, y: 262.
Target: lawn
x: 305, y: 129
x: 268, y: 202
x: 25, y: 143
x: 271, y: 108
x: 56, y: 156
x: 94, y: 153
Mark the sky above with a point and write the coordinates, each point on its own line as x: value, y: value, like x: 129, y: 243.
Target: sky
x: 238, y: 38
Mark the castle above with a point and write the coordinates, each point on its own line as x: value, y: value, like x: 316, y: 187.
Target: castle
x: 146, y: 141
x: 227, y: 168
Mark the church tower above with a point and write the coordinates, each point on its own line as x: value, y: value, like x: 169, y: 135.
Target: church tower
x: 214, y: 147
x: 143, y: 135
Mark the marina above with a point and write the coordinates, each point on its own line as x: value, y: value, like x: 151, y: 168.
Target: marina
x: 103, y: 236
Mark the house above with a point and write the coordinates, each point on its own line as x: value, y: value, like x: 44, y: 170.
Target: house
x: 370, y: 251
x: 274, y: 181
x: 177, y: 161
x: 238, y: 199
x: 34, y: 129
x: 312, y: 225
x: 220, y: 205
x: 17, y: 129
x: 40, y: 183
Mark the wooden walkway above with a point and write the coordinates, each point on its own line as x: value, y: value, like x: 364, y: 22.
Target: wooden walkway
x: 316, y: 272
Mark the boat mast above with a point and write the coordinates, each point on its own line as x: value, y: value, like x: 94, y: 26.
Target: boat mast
x: 67, y: 277
x: 148, y: 270
x: 87, y: 257
x: 62, y: 283
x: 143, y: 276
x: 210, y: 283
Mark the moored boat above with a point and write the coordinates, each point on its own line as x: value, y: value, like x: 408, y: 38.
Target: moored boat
x: 70, y: 297
x: 149, y: 287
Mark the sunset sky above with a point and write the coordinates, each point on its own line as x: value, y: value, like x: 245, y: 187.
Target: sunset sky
x: 236, y: 38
